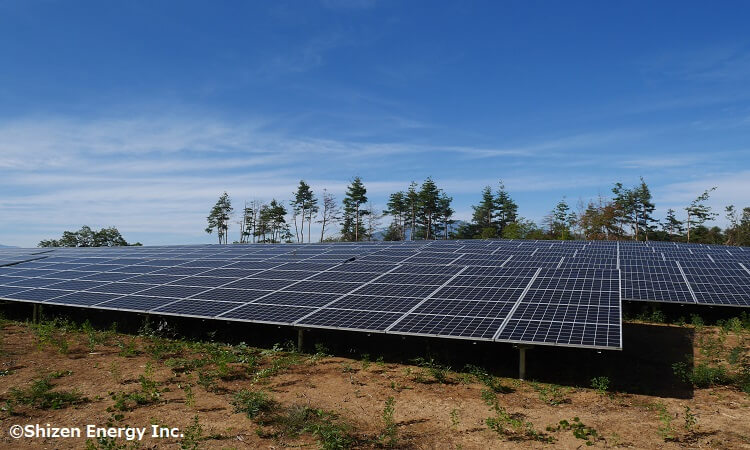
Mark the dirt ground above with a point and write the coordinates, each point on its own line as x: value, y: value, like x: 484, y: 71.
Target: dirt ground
x: 431, y: 407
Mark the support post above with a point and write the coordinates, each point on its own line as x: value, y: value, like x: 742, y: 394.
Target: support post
x: 522, y: 361
x: 300, y: 339
x: 35, y: 314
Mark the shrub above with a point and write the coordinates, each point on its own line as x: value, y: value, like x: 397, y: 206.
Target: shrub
x: 601, y: 384
x: 252, y: 403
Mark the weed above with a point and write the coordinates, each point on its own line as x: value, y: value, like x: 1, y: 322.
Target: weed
x: 127, y: 349
x: 321, y: 349
x: 191, y: 435
x: 389, y: 437
x: 149, y: 386
x: 579, y: 429
x: 438, y: 372
x: 551, y: 394
x: 52, y: 333
x: 601, y: 384
x: 347, y: 368
x: 331, y: 435
x: 702, y: 375
x: 330, y: 432
x: 109, y: 443
x: 40, y: 394
x: 93, y: 337
x: 128, y: 401
x: 189, y: 395
x: 365, y: 361
x: 455, y: 418
x: 398, y: 387
x: 696, y: 321
x: 159, y: 330
x: 510, y: 425
x: 207, y: 381
x: 114, y: 370
x: 278, y: 365
x: 252, y: 403
x: 488, y: 380
x: 652, y: 314
x: 666, y: 431
x: 690, y: 420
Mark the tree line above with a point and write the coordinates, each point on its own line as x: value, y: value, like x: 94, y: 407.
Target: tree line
x: 86, y: 237
x: 424, y: 211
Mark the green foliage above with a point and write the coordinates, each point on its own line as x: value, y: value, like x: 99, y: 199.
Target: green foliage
x: 651, y: 314
x: 40, y: 394
x: 191, y: 435
x: 666, y: 430
x: 701, y: 375
x: 54, y: 333
x: 353, y: 228
x: 86, y: 237
x: 579, y: 430
x: 108, y: 443
x: 331, y: 435
x: 207, y: 381
x: 690, y: 420
x: 438, y: 372
x: 189, y: 395
x: 551, y: 394
x: 128, y: 348
x: 601, y: 384
x: 493, y: 383
x: 455, y: 418
x: 389, y: 436
x: 252, y: 403
x: 510, y: 425
x: 218, y: 218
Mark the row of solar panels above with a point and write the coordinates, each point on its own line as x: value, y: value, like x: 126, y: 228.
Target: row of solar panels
x: 564, y: 293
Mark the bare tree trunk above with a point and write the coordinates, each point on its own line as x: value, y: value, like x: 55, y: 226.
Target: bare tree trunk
x: 302, y: 226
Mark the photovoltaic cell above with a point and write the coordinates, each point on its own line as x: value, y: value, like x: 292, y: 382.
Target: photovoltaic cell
x: 544, y: 292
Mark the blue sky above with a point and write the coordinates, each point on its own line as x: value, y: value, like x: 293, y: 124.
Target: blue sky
x: 139, y: 114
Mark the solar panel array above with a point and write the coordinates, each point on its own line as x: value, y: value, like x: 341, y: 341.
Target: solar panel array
x: 538, y: 292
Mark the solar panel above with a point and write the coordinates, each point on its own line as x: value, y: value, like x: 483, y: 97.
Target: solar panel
x: 539, y: 292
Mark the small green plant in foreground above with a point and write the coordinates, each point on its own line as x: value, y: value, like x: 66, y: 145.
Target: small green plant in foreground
x: 191, y: 435
x: 40, y: 394
x: 579, y: 429
x: 389, y: 437
x: 510, y: 425
x: 601, y: 384
x: 252, y: 403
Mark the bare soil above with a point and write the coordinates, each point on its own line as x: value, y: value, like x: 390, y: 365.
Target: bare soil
x: 427, y: 413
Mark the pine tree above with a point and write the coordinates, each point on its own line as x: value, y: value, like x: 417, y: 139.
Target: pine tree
x: 484, y: 212
x: 698, y: 212
x: 506, y: 210
x: 671, y: 225
x: 304, y: 206
x: 428, y: 208
x: 645, y: 207
x: 398, y: 208
x: 560, y: 220
x: 353, y: 229
x: 445, y: 213
x: 218, y: 218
